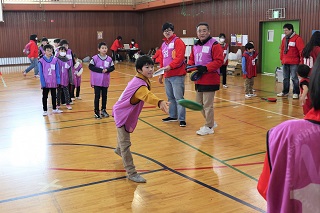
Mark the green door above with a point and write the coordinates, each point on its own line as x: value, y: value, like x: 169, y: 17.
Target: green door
x: 271, y: 41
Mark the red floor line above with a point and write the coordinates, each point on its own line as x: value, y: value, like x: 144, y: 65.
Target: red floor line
x: 122, y: 170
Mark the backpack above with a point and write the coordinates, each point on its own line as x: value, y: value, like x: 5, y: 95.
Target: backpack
x: 26, y: 49
x: 308, y: 61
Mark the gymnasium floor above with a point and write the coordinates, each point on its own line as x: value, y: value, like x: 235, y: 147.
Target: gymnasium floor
x: 65, y: 162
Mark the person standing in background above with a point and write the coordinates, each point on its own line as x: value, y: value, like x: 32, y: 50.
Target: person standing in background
x: 33, y: 56
x: 223, y: 68
x: 114, y: 48
x: 290, y: 56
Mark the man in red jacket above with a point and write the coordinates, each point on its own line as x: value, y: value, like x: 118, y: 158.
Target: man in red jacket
x: 173, y: 61
x: 291, y: 49
x: 114, y: 48
x: 208, y: 53
x: 33, y: 56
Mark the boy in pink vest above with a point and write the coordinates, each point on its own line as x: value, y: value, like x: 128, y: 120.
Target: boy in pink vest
x: 127, y: 110
x: 49, y: 78
x: 101, y: 65
x: 290, y: 180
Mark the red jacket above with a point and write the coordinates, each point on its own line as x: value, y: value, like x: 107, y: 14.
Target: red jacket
x: 225, y: 48
x: 116, y: 45
x: 250, y: 64
x: 176, y: 68
x: 157, y: 56
x: 295, y: 47
x: 134, y: 46
x: 33, y: 49
x: 211, y: 77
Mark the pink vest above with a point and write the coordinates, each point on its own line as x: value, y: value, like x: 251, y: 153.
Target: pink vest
x: 77, y: 79
x: 167, y: 51
x: 125, y: 114
x: 294, y: 185
x: 49, y: 72
x: 100, y: 79
x: 64, y: 71
x: 202, y: 54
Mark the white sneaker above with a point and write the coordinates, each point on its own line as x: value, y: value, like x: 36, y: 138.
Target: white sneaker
x: 253, y: 90
x: 57, y: 111
x: 225, y: 86
x: 281, y: 94
x: 45, y: 113
x: 253, y: 95
x: 79, y: 98
x: 71, y: 103
x: 37, y: 76
x: 205, y: 131
x: 295, y: 96
x: 73, y: 99
x: 247, y: 96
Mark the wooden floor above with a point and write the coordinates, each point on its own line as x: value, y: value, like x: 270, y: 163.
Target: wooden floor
x: 66, y: 163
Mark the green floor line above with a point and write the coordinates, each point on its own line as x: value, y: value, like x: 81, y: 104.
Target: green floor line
x: 199, y: 150
x: 244, y: 156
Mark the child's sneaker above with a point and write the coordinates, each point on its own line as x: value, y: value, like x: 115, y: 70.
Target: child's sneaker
x: 57, y: 111
x: 73, y: 99
x: 281, y: 94
x: 69, y: 107
x: 37, y: 76
x: 79, y: 98
x: 137, y: 178
x: 45, y: 113
x: 253, y: 95
x: 247, y: 96
x: 104, y: 113
x: 24, y: 73
x: 71, y: 103
x: 295, y: 96
x: 97, y: 114
x: 225, y: 86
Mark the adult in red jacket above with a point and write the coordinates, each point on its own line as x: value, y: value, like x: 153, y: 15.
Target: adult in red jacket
x: 156, y: 56
x: 134, y: 46
x: 114, y: 48
x: 208, y: 53
x: 290, y: 53
x: 311, y: 50
x: 173, y: 61
x: 33, y: 56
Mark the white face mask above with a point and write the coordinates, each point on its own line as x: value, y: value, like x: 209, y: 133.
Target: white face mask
x: 222, y: 40
x: 62, y: 54
x: 132, y: 42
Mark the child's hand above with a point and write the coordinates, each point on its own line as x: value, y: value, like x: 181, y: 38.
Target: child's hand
x: 302, y: 100
x: 104, y: 71
x: 164, y: 106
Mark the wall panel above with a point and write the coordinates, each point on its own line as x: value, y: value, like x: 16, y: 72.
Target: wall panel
x: 230, y: 16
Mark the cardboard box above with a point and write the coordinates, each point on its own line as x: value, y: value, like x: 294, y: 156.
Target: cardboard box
x: 234, y: 68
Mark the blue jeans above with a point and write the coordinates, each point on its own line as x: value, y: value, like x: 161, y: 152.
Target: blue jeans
x: 175, y: 91
x: 34, y: 64
x: 290, y: 69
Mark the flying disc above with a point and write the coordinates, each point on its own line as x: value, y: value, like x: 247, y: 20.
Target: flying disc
x: 159, y: 72
x: 190, y: 104
x: 195, y: 76
x: 270, y: 99
x: 192, y: 68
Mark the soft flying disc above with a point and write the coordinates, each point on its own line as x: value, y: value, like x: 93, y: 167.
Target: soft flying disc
x: 195, y: 76
x: 192, y: 68
x: 159, y: 72
x: 270, y: 99
x: 190, y: 104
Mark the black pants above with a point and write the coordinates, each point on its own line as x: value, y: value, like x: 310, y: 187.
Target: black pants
x: 113, y: 55
x: 45, y: 92
x: 66, y: 95
x: 223, y: 71
x: 97, y: 91
x: 77, y: 91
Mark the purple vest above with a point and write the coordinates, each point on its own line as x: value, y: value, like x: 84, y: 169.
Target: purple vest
x: 42, y: 50
x: 64, y: 71
x: 100, y: 79
x: 167, y: 51
x: 202, y: 54
x: 294, y: 185
x: 49, y: 72
x: 69, y: 54
x: 77, y: 79
x: 125, y: 114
